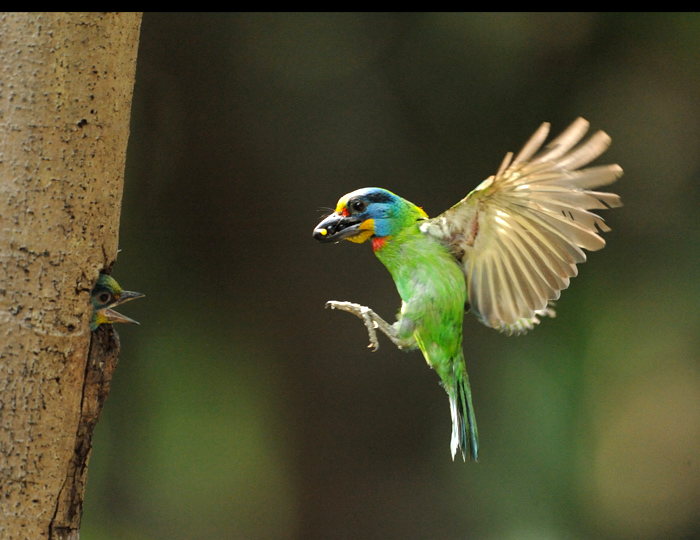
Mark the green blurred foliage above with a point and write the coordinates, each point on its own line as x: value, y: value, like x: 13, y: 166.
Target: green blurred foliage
x: 242, y: 409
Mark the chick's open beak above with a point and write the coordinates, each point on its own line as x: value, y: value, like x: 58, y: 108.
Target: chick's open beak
x: 125, y: 296
x: 114, y: 317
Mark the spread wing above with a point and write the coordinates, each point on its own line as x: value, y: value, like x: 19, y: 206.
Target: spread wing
x: 519, y: 235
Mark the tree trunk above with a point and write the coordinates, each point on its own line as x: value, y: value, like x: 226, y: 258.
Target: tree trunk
x: 66, y: 82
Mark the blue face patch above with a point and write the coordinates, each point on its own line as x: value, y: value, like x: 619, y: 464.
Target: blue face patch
x: 382, y: 215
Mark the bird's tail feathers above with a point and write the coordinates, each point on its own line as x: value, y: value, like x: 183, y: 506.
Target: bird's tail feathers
x: 465, y: 435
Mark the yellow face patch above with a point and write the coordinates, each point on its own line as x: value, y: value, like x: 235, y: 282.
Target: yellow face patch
x: 367, y: 225
x: 342, y: 206
x: 367, y: 228
x: 362, y: 237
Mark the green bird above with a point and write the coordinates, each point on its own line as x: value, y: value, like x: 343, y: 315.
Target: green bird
x: 105, y: 295
x: 504, y: 252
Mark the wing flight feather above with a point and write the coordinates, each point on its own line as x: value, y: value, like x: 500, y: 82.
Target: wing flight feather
x: 520, y: 234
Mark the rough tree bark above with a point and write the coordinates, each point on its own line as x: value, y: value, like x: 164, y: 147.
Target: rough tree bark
x: 66, y: 82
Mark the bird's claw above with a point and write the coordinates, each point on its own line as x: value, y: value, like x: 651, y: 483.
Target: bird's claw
x: 368, y: 316
x: 373, y: 322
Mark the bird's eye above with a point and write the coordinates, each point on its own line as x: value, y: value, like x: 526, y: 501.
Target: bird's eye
x: 358, y: 205
x: 104, y: 297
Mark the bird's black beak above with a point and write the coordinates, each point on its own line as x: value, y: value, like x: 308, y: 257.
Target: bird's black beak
x: 337, y: 227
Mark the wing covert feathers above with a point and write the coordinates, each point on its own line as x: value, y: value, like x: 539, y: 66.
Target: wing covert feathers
x: 520, y: 234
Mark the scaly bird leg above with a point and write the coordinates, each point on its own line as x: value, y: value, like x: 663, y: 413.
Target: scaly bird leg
x: 372, y: 323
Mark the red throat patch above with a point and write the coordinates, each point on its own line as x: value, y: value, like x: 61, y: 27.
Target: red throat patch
x: 378, y: 243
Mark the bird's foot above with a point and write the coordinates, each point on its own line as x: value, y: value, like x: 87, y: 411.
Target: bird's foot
x: 373, y: 322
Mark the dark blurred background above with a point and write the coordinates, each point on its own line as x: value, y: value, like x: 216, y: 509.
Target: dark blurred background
x: 242, y: 409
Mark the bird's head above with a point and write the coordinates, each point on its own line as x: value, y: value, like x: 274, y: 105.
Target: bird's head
x: 106, y: 295
x: 367, y: 213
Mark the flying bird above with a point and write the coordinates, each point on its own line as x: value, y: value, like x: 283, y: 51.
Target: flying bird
x: 504, y: 253
x: 108, y: 294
